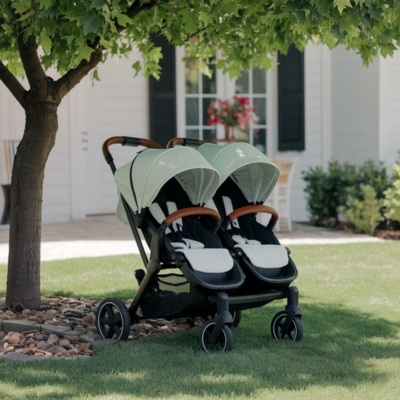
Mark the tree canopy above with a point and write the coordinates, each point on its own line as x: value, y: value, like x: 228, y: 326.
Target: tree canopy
x: 245, y: 31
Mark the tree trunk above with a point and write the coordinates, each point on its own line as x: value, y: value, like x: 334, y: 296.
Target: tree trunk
x: 23, y: 281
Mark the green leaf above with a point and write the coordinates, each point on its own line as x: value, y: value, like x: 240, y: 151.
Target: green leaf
x: 45, y: 4
x: 45, y: 41
x: 96, y: 75
x: 136, y: 66
x: 26, y: 15
x: 342, y: 4
x: 84, y: 52
x: 190, y: 20
x: 122, y: 19
x: 330, y: 41
x: 90, y: 23
x: 98, y: 4
x: 387, y: 49
x: 21, y: 7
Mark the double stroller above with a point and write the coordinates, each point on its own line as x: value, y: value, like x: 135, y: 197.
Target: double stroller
x: 196, y: 268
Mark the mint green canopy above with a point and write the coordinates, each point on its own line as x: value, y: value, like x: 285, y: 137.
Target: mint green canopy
x: 252, y: 171
x: 140, y: 181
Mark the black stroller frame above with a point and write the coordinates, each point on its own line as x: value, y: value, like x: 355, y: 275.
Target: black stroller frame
x: 257, y: 289
x: 113, y: 319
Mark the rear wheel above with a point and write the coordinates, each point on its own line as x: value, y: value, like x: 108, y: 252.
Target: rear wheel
x: 237, y: 317
x: 223, y: 343
x: 113, y: 320
x: 295, y: 331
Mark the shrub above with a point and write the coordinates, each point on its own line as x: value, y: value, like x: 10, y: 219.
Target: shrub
x: 364, y: 214
x: 327, y: 190
x: 392, y: 196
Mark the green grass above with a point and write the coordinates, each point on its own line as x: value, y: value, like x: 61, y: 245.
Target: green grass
x: 350, y: 299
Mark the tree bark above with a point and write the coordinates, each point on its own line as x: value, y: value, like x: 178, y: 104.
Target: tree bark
x: 23, y: 280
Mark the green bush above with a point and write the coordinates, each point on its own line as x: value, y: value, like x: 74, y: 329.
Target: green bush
x: 327, y: 191
x: 392, y: 196
x: 364, y: 214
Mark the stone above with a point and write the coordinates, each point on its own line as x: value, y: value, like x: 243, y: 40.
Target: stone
x: 53, y: 338
x: 71, y: 312
x: 84, y: 346
x: 26, y: 311
x: 89, y: 338
x: 58, y: 330
x: 72, y: 338
x: 18, y: 326
x: 36, y: 320
x: 20, y: 357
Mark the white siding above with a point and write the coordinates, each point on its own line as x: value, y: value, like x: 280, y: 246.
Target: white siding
x: 390, y: 109
x: 115, y: 106
x: 355, y: 108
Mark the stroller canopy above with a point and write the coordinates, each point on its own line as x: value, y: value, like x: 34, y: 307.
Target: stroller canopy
x: 250, y: 169
x: 141, y: 180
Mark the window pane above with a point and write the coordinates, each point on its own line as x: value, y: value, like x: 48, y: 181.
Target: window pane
x: 209, y: 84
x: 192, y: 111
x: 209, y: 134
x: 259, y: 81
x: 192, y: 76
x: 259, y: 140
x: 192, y: 133
x: 206, y: 104
x: 261, y: 104
x: 242, y: 83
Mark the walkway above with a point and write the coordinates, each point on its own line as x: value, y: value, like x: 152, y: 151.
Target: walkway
x: 105, y: 236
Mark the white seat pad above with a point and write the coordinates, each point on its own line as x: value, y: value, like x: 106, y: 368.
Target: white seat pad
x: 266, y: 255
x: 210, y: 261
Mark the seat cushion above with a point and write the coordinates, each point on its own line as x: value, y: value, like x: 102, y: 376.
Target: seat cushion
x: 208, y: 260
x: 266, y: 255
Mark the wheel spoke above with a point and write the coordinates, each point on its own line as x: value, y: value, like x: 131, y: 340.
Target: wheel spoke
x: 109, y: 333
x: 116, y: 330
x: 109, y: 310
x: 116, y: 319
x: 290, y: 336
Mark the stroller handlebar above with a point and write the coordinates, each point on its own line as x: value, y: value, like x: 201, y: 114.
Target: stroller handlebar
x: 184, y: 142
x: 251, y: 210
x: 128, y: 141
x: 125, y: 141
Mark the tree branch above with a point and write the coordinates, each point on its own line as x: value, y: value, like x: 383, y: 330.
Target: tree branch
x: 135, y: 9
x: 67, y: 82
x: 12, y: 84
x: 31, y: 62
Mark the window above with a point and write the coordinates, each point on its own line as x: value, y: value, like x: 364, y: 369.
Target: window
x: 200, y: 91
x: 253, y: 84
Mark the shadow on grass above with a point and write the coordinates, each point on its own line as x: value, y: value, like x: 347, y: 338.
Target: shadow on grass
x: 340, y: 348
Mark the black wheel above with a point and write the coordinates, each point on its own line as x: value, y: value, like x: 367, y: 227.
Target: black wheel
x: 113, y: 320
x: 295, y: 329
x: 237, y: 317
x: 223, y: 343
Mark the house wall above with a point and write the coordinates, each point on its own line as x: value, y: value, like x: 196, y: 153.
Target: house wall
x: 78, y: 182
x: 315, y: 132
x: 355, y: 105
x: 389, y: 106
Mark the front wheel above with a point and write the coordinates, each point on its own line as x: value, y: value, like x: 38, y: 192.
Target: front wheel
x: 223, y: 343
x: 295, y: 331
x: 113, y: 320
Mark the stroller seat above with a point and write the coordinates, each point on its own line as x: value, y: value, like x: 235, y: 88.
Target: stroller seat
x: 215, y: 261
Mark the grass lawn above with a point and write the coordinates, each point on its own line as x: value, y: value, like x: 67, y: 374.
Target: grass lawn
x: 350, y: 299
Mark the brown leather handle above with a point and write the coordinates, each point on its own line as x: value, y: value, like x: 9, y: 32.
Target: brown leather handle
x: 256, y: 209
x: 186, y: 212
x: 183, y: 141
x: 130, y: 141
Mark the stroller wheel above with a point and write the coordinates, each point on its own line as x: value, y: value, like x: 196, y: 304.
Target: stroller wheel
x: 113, y: 320
x: 223, y: 343
x: 237, y: 317
x: 295, y: 332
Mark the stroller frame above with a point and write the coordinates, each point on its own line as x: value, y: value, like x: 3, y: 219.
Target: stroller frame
x: 113, y: 319
x: 283, y: 322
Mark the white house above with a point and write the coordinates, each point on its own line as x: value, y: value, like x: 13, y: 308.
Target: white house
x: 315, y: 107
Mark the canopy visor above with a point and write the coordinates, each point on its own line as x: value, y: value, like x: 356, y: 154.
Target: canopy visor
x: 253, y: 172
x: 140, y: 181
